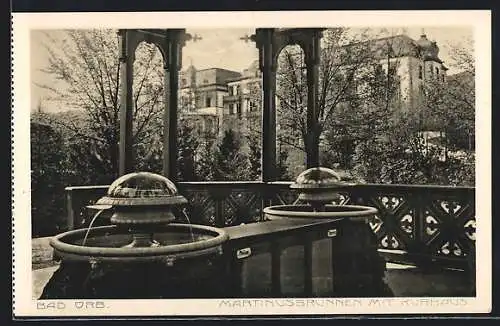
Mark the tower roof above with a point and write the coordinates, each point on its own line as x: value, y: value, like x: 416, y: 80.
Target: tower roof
x: 428, y: 49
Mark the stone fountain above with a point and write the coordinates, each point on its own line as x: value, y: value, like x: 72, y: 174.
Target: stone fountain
x: 358, y: 268
x: 143, y: 254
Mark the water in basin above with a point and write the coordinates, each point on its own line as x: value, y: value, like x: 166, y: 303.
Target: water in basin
x: 165, y: 238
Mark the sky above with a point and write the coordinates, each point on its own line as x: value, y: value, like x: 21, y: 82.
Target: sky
x: 223, y: 48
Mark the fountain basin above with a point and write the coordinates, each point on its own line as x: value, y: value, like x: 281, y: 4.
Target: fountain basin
x: 107, y: 244
x: 185, y: 263
x: 351, y: 212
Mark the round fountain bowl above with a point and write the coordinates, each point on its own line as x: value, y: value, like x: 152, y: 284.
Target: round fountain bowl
x: 351, y: 212
x: 107, y: 244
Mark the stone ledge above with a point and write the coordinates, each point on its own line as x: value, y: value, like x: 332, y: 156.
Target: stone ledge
x: 404, y: 280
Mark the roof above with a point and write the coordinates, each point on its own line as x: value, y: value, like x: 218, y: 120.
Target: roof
x: 202, y: 111
x: 401, y: 45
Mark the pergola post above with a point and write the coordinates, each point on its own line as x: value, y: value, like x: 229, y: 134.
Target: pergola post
x: 128, y: 44
x: 270, y: 42
x: 170, y: 43
x: 173, y: 49
x: 311, y: 49
x: 267, y: 62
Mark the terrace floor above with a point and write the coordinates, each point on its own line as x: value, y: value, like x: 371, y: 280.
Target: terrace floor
x: 404, y: 280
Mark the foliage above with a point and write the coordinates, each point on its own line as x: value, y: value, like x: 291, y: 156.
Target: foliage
x: 340, y: 66
x: 450, y: 107
x: 187, y: 146
x: 48, y: 169
x: 363, y: 124
x: 283, y: 172
x: 230, y: 162
x: 206, y: 160
x: 255, y: 156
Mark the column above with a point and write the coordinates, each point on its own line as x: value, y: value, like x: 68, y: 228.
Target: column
x: 172, y: 67
x: 267, y: 60
x: 312, y: 57
x: 127, y: 56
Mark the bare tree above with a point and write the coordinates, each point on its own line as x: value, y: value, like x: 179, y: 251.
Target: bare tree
x: 84, y: 70
x: 350, y: 110
x: 450, y: 103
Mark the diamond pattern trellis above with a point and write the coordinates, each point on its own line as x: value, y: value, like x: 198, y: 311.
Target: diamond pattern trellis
x: 201, y: 208
x: 285, y: 197
x: 242, y: 207
x: 394, y: 225
x: 449, y: 226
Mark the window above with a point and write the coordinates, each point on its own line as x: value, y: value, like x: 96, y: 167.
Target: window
x: 442, y: 77
x: 252, y: 106
x: 230, y: 89
x: 420, y: 72
x: 208, y: 101
x: 183, y: 82
x: 238, y: 109
x: 437, y: 71
x: 209, y: 125
x: 233, y: 109
x: 205, y: 81
x: 238, y: 89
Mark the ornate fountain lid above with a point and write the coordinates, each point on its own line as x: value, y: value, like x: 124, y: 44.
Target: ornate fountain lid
x: 319, y: 185
x: 319, y: 178
x: 142, y: 189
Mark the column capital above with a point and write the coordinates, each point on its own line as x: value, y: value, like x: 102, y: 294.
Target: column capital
x: 270, y: 42
x: 167, y: 41
x: 311, y: 47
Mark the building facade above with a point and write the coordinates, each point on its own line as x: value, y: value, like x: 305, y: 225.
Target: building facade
x: 201, y: 96
x: 217, y: 99
x: 416, y: 62
x: 242, y: 103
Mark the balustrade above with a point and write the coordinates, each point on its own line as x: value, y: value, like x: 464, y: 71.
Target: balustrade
x: 418, y: 224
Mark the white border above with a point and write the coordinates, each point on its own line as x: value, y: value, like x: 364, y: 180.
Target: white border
x: 24, y: 305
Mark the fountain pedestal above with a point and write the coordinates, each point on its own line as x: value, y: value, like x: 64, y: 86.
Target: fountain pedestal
x: 358, y: 269
x: 190, y: 278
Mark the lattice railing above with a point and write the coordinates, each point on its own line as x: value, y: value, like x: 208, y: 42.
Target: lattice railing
x: 223, y: 203
x: 415, y: 223
x: 427, y: 222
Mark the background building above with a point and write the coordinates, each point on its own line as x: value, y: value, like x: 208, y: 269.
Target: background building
x: 202, y: 95
x: 416, y: 63
x: 228, y: 98
x: 242, y: 103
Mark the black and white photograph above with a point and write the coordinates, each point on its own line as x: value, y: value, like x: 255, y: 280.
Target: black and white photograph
x: 252, y: 165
